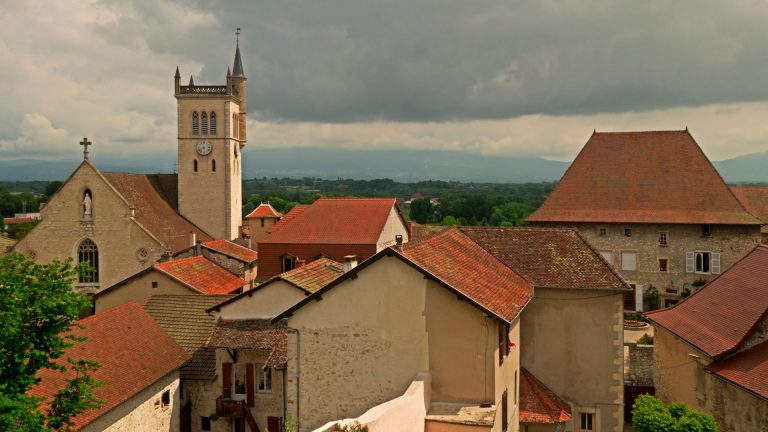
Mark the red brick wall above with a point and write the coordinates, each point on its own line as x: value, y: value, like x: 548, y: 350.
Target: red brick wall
x: 270, y: 255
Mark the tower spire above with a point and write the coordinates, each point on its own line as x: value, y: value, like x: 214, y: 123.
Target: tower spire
x: 237, y: 69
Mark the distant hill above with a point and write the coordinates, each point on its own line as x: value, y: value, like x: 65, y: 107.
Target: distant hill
x: 398, y: 165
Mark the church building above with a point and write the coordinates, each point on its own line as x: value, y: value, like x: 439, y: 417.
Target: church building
x: 122, y: 223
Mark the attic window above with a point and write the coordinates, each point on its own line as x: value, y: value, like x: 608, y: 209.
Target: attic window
x: 165, y: 399
x: 627, y: 232
x: 602, y: 231
x: 154, y: 284
x: 706, y: 230
x: 663, y: 238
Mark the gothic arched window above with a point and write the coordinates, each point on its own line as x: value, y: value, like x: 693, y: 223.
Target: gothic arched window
x: 88, y: 252
x: 204, y: 124
x: 213, y: 165
x: 213, y: 124
x: 195, y: 124
x: 194, y: 165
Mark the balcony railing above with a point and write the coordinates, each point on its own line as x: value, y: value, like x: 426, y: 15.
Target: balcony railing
x: 230, y: 408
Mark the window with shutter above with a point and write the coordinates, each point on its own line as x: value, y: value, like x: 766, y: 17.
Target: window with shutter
x: 689, y: 262
x: 715, y: 262
x: 629, y: 261
x: 249, y: 384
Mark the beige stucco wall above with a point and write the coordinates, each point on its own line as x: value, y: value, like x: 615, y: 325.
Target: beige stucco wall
x: 257, y: 231
x: 734, y: 409
x: 143, y: 411
x: 140, y: 289
x: 201, y: 394
x: 731, y: 241
x: 572, y: 340
x: 434, y: 426
x: 267, y: 404
x: 507, y: 377
x: 392, y: 227
x: 111, y: 227
x: 265, y: 302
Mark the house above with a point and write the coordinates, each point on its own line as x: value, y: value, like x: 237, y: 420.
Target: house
x: 711, y: 349
x: 193, y: 275
x: 260, y: 220
x: 239, y: 260
x: 755, y: 199
x: 330, y: 227
x: 139, y: 369
x: 185, y: 319
x: 656, y: 208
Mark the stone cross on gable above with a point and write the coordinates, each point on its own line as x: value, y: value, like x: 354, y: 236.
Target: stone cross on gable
x: 85, y: 143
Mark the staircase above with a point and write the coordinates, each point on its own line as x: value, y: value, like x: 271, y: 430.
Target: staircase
x: 251, y: 421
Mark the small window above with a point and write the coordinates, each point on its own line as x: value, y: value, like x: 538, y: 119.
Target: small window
x: 154, y: 284
x: 204, y: 124
x: 586, y: 422
x: 627, y: 232
x: 703, y: 262
x: 503, y: 343
x: 629, y: 261
x: 264, y: 380
x: 706, y: 230
x: 602, y: 231
x: 288, y: 263
x: 213, y: 165
x: 663, y: 238
x: 213, y: 124
x: 205, y: 423
x: 194, y: 165
x: 234, y: 126
x: 165, y: 399
x: 663, y: 265
x: 262, y: 222
x: 195, y: 123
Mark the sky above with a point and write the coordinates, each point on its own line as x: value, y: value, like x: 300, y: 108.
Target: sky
x: 490, y: 77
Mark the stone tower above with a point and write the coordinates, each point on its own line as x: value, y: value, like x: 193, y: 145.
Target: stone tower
x: 211, y: 136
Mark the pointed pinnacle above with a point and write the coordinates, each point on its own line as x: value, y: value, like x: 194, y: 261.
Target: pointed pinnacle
x: 191, y: 81
x: 178, y: 75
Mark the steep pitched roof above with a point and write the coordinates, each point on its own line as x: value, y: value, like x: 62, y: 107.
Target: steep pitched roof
x: 233, y: 250
x: 335, y: 221
x: 288, y: 217
x: 155, y: 201
x: 643, y: 177
x: 754, y: 199
x: 253, y: 335
x: 264, y: 211
x: 458, y: 261
x: 417, y: 231
x: 747, y: 369
x: 554, y: 258
x: 721, y: 315
x: 201, y: 274
x: 133, y: 350
x: 538, y: 404
x: 184, y: 317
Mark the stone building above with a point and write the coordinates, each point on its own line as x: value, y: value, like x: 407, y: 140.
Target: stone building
x: 655, y: 208
x: 711, y: 350
x: 260, y: 221
x: 139, y: 371
x: 239, y: 260
x: 123, y: 223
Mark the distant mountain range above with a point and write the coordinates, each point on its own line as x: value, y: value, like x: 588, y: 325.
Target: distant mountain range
x: 398, y: 165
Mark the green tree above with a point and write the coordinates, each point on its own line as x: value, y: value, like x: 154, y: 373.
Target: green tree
x: 651, y: 415
x: 39, y: 308
x: 421, y: 211
x: 22, y: 229
x: 449, y: 221
x: 52, y: 187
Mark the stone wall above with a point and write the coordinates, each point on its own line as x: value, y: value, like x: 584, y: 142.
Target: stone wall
x: 201, y: 394
x: 640, y: 367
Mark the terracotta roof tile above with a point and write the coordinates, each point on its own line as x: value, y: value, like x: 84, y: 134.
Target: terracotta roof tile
x: 459, y: 262
x: 233, y: 250
x: 642, y: 177
x: 201, y: 274
x: 133, y: 350
x: 755, y: 199
x: 259, y: 335
x: 315, y: 275
x: 554, y: 258
x: 747, y: 369
x: 264, y: 211
x: 15, y: 220
x: 155, y: 200
x: 718, y: 317
x: 538, y: 404
x: 288, y: 217
x: 417, y: 231
x: 184, y: 317
x: 335, y: 221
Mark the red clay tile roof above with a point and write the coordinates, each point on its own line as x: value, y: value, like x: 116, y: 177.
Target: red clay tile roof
x: 417, y: 231
x: 717, y: 318
x: 259, y: 335
x: 314, y: 275
x: 643, y: 177
x: 264, y: 211
x: 459, y: 262
x: 201, y: 274
x: 155, y: 200
x: 132, y: 349
x: 233, y: 250
x: 288, y: 217
x: 335, y: 221
x: 553, y: 258
x: 538, y: 404
x: 747, y: 369
x: 755, y: 199
x: 15, y: 220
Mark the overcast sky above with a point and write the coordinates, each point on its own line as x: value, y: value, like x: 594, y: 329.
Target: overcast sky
x: 490, y: 77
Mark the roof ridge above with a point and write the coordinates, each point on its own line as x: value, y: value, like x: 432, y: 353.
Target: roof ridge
x: 642, y: 132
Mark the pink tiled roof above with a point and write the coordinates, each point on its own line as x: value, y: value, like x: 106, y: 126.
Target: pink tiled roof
x: 132, y: 349
x: 538, y: 404
x: 335, y: 221
x: 642, y: 177
x: 747, y: 369
x: 722, y: 314
x: 202, y: 274
x: 264, y: 211
x: 233, y: 250
x: 462, y: 264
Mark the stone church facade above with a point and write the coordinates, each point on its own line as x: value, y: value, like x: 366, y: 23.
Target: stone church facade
x: 122, y: 223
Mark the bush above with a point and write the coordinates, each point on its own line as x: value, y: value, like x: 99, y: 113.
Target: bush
x: 651, y: 415
x: 645, y: 339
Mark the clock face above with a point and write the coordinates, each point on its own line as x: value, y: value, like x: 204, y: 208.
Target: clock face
x: 204, y: 147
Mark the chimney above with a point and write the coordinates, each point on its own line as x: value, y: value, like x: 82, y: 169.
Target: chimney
x: 199, y: 248
x: 166, y: 256
x: 192, y: 238
x: 248, y: 237
x: 350, y: 262
x: 299, y: 263
x: 399, y: 242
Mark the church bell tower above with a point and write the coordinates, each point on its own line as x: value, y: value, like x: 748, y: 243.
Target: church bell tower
x: 211, y: 135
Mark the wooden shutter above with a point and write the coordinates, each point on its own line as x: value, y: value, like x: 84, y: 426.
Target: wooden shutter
x: 715, y: 264
x: 249, y: 384
x: 690, y: 262
x: 273, y: 424
x: 226, y: 379
x: 501, y: 344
